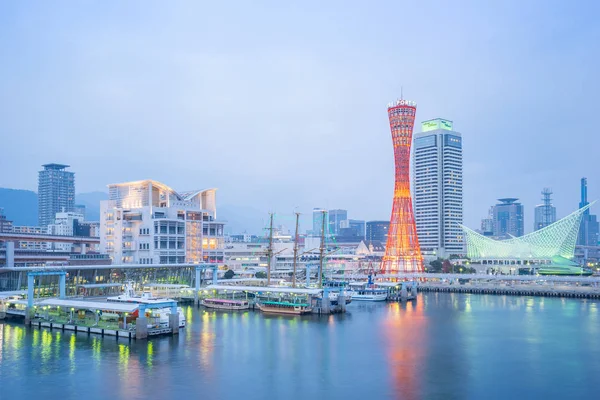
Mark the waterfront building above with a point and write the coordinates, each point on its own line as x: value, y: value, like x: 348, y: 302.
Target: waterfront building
x: 588, y: 232
x: 402, y: 251
x: 508, y: 218
x: 317, y: 221
x: 6, y: 225
x: 438, y: 188
x: 336, y: 219
x: 545, y: 213
x: 539, y: 247
x: 147, y: 222
x: 377, y: 231
x: 56, y: 192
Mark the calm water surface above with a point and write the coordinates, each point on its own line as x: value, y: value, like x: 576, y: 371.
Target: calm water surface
x: 446, y: 346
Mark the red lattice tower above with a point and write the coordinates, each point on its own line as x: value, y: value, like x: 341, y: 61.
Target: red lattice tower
x: 402, y: 251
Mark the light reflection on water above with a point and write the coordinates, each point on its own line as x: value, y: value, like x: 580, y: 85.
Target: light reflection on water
x: 442, y: 346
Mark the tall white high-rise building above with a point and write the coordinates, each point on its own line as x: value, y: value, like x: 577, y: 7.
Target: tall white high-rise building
x: 438, y: 188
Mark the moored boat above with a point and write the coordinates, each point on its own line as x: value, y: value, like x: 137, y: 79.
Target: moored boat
x: 370, y: 295
x: 283, y: 307
x: 222, y: 304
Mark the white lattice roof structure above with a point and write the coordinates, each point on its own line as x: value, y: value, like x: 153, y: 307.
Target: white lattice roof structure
x: 557, y: 239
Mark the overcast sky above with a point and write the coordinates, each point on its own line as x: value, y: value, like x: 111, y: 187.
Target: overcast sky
x: 283, y: 106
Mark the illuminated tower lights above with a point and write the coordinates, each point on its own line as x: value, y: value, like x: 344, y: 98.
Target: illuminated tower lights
x: 402, y: 252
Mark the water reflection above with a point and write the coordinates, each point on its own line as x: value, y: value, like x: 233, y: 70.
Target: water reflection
x: 442, y: 346
x: 404, y: 330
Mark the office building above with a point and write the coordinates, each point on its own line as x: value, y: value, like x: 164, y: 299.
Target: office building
x: 438, y: 188
x: 487, y: 224
x: 56, y: 192
x: 588, y: 230
x: 6, y: 225
x: 508, y: 218
x: 357, y: 227
x: 377, y: 231
x: 336, y: 220
x: 147, y: 222
x: 402, y: 250
x: 79, y: 209
x: 67, y: 224
x: 317, y: 225
x: 545, y: 213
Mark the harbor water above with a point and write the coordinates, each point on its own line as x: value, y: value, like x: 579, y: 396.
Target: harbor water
x: 443, y: 346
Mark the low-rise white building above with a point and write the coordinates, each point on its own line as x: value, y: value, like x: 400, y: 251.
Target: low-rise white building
x: 64, y: 224
x: 147, y: 222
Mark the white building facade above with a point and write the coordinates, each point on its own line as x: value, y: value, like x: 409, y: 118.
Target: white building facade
x: 147, y: 222
x: 64, y: 225
x: 438, y: 189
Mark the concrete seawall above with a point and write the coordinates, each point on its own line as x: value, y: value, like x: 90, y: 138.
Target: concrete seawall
x: 515, y: 290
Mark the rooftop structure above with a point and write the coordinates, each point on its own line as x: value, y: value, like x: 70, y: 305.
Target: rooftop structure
x: 557, y: 239
x: 545, y: 213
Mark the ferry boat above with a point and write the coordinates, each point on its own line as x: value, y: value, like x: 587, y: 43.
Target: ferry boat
x: 221, y: 304
x: 283, y: 307
x: 146, y: 298
x: 368, y: 291
x: 368, y: 294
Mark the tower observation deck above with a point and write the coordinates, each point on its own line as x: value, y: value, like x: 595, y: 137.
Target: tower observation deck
x: 402, y: 251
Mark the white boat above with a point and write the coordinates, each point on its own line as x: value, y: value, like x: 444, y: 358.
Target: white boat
x: 146, y: 298
x: 284, y: 307
x: 333, y: 297
x: 222, y: 304
x: 370, y: 295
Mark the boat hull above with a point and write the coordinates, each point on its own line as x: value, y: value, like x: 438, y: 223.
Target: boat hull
x: 281, y: 310
x: 369, y: 297
x: 226, y: 307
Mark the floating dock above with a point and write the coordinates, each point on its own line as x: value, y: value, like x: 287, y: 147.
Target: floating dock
x: 93, y: 317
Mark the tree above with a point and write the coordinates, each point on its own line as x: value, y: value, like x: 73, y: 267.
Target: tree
x: 435, y: 266
x: 260, y: 275
x: 229, y: 274
x: 446, y: 266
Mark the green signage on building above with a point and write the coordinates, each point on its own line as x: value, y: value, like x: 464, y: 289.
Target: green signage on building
x: 434, y: 124
x: 445, y: 124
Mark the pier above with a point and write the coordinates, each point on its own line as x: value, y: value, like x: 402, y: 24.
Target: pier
x: 128, y: 320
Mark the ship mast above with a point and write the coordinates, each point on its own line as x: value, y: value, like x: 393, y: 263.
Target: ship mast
x: 322, y: 250
x: 295, y: 250
x: 270, y: 251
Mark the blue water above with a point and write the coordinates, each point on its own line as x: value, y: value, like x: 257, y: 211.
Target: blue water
x: 446, y: 346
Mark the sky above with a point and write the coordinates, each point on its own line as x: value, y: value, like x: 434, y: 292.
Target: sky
x: 282, y: 105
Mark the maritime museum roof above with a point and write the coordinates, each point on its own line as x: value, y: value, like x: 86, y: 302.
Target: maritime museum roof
x: 557, y: 239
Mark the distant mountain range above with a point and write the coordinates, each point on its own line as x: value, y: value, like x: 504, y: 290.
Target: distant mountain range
x: 21, y: 207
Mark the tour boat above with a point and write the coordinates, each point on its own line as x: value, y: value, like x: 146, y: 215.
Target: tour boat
x: 146, y: 298
x: 222, y: 304
x: 283, y: 307
x: 370, y: 295
x: 333, y: 297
